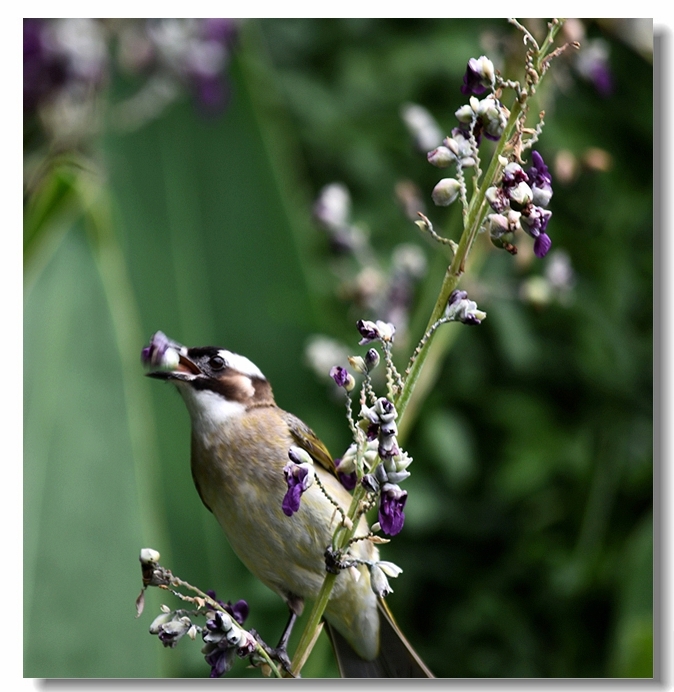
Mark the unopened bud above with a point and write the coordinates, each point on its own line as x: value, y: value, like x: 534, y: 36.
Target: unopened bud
x: 358, y: 364
x: 440, y: 157
x: 372, y: 358
x: 148, y: 556
x: 465, y: 114
x: 445, y: 192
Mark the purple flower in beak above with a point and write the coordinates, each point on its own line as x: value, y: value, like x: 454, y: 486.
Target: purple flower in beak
x: 392, y: 503
x: 161, y: 352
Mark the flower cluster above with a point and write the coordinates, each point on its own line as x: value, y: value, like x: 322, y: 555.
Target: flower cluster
x: 299, y: 475
x: 486, y: 117
x: 479, y: 117
x: 519, y: 202
x: 66, y: 61
x: 379, y: 288
x: 456, y: 149
x: 224, y: 639
x: 382, y: 431
x: 62, y: 55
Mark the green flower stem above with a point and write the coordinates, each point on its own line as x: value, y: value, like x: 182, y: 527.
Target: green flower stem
x: 342, y: 539
x: 474, y: 218
x: 477, y: 210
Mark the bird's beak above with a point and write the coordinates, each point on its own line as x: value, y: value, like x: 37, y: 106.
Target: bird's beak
x: 168, y: 360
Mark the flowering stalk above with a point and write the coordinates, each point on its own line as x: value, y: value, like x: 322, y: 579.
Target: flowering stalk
x: 451, y: 303
x: 223, y: 634
x: 479, y: 206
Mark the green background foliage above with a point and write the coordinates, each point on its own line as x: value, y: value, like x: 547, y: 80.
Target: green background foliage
x: 528, y: 545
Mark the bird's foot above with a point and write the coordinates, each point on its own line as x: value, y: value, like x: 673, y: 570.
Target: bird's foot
x: 334, y: 561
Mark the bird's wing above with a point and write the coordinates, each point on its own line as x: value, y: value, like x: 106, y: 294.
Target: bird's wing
x: 306, y: 438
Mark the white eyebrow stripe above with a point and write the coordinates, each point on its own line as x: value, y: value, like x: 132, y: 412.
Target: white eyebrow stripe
x: 241, y: 364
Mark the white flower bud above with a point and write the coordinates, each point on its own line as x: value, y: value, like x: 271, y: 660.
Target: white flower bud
x: 465, y: 114
x: 440, y: 157
x: 148, y: 556
x: 358, y: 364
x: 485, y: 67
x: 397, y: 476
x: 446, y: 192
x: 299, y: 455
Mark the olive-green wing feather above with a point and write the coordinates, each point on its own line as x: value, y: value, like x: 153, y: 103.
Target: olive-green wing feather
x: 306, y: 438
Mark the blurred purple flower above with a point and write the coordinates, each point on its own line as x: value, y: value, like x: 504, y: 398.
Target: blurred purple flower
x: 391, y: 515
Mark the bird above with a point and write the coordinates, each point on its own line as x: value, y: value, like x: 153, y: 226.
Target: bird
x: 240, y: 440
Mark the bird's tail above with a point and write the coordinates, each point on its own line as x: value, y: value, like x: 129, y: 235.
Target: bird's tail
x: 396, y: 659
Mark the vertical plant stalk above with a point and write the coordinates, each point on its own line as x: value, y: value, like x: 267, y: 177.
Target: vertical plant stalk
x: 473, y: 219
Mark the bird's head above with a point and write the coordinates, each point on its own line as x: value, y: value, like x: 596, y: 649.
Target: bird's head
x: 215, y: 383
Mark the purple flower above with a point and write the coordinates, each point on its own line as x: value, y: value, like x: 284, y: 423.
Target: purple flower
x: 239, y: 611
x: 372, y: 432
x: 535, y: 220
x: 220, y: 660
x: 542, y: 245
x: 298, y: 477
x: 474, y: 78
x: 153, y: 354
x: 342, y: 377
x: 602, y: 78
x: 370, y: 331
x: 593, y: 63
x: 212, y: 92
x: 44, y: 71
x: 392, y: 503
x: 220, y: 29
x: 348, y: 480
x: 218, y: 651
x: 513, y: 175
x: 540, y: 180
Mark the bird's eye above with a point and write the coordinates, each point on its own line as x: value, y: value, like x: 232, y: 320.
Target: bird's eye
x: 216, y: 363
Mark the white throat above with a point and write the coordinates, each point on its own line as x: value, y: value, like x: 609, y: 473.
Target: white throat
x: 210, y: 412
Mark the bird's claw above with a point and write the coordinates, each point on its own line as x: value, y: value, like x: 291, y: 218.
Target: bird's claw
x: 334, y: 561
